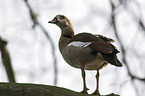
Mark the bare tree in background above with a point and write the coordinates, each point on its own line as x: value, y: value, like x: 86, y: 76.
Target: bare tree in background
x: 132, y: 53
x: 6, y: 60
x: 139, y: 23
x: 37, y: 23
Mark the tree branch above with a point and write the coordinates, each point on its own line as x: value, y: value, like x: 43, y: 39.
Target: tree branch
x: 6, y: 60
x: 113, y: 18
x: 15, y: 89
x: 36, y: 22
x: 123, y: 50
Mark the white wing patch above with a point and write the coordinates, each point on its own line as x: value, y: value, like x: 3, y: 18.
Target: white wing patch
x: 79, y: 44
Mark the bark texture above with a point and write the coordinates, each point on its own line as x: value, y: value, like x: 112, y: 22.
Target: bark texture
x: 17, y: 89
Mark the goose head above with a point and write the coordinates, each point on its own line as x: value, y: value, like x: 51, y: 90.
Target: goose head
x: 64, y: 24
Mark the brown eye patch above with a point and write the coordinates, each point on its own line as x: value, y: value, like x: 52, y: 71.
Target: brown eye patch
x: 62, y: 17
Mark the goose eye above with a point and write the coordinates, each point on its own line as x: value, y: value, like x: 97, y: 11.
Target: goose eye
x: 62, y: 17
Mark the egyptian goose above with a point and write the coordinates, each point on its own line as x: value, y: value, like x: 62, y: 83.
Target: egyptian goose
x: 85, y: 51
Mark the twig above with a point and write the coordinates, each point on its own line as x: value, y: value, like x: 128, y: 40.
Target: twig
x: 36, y: 22
x: 7, y: 61
x: 123, y: 48
x: 121, y: 45
x: 141, y: 25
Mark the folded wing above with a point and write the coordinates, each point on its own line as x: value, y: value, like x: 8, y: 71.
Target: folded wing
x: 97, y: 44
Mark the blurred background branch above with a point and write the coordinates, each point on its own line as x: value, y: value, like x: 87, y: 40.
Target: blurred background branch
x: 37, y: 23
x: 6, y: 60
x: 123, y: 50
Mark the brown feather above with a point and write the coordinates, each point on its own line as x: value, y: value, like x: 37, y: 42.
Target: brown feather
x: 105, y: 38
x: 98, y: 44
x: 101, y: 46
x: 85, y: 37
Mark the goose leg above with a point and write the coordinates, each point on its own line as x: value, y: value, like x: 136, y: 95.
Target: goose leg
x: 85, y: 89
x: 97, y: 89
